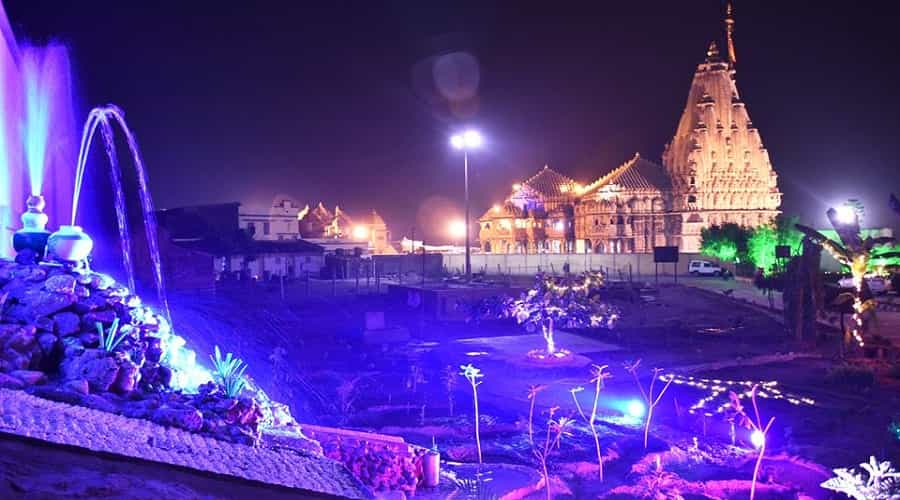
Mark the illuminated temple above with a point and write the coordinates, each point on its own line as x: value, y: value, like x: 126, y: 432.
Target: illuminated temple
x: 714, y: 170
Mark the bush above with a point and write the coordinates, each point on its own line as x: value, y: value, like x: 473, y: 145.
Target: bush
x: 851, y: 376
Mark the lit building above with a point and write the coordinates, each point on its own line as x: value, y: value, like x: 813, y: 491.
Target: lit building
x: 714, y: 170
x: 280, y: 221
x: 338, y: 230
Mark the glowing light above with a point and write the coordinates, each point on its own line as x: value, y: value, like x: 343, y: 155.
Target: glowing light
x: 846, y: 214
x: 757, y: 438
x: 516, y: 186
x: 496, y: 208
x: 716, y: 401
x: 558, y: 225
x: 457, y: 228
x: 470, y: 139
x: 635, y: 408
x: 360, y: 232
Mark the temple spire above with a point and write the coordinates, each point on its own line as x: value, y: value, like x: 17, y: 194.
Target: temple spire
x: 729, y: 32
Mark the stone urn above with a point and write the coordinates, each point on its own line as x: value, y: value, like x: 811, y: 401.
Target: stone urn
x: 70, y: 244
x: 33, y: 234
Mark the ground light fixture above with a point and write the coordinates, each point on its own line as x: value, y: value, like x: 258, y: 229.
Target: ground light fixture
x: 757, y: 438
x: 635, y: 408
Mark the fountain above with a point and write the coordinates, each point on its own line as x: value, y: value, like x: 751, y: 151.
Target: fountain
x: 102, y: 118
x: 36, y: 134
x: 36, y: 138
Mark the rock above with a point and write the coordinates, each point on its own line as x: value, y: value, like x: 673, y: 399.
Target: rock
x: 72, y: 347
x: 60, y: 395
x: 154, y: 351
x: 45, y: 324
x: 82, y: 291
x: 22, y: 338
x: 127, y: 377
x: 189, y: 419
x: 101, y: 281
x: 94, y: 365
x: 105, y: 317
x: 47, y: 341
x: 10, y: 382
x: 61, y: 283
x: 89, y: 339
x: 26, y: 257
x: 140, y: 409
x: 88, y: 304
x: 66, y: 323
x: 99, y: 402
x: 79, y: 386
x: 36, y: 303
x: 29, y: 377
x: 15, y: 360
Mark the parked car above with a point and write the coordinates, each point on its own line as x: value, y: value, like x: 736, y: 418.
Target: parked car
x: 878, y: 284
x: 704, y: 268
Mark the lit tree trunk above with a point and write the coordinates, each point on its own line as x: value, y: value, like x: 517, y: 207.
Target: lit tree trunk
x: 547, y: 329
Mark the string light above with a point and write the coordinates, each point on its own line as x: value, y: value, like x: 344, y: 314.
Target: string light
x: 742, y: 388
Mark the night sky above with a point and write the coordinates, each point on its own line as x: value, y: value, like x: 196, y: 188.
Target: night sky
x: 238, y: 101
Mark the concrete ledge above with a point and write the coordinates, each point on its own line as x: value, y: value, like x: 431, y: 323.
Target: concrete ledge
x: 90, y: 430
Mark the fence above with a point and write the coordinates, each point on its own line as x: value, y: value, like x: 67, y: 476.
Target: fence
x: 638, y: 265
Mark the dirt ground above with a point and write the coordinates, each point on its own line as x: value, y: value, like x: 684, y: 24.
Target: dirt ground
x: 310, y: 352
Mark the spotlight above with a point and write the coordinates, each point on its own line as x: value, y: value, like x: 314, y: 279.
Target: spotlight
x: 635, y: 408
x: 757, y: 438
x: 846, y: 214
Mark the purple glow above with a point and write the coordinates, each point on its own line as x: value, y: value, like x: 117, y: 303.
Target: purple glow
x: 36, y: 125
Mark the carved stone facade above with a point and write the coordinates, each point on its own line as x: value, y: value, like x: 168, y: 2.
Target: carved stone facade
x: 626, y: 210
x: 716, y: 170
x: 719, y: 168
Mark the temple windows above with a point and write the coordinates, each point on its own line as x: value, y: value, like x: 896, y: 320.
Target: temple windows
x: 692, y: 199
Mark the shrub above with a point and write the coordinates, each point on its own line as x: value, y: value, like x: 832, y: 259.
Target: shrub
x: 230, y: 373
x: 111, y: 338
x: 851, y: 376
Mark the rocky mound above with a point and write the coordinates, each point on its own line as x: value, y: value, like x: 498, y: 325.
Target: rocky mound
x: 81, y: 338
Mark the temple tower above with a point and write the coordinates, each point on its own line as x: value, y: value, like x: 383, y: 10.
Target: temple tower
x: 719, y: 167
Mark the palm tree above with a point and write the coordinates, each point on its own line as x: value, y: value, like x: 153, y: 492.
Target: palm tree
x: 853, y: 251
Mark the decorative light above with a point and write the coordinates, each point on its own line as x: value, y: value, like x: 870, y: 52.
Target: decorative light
x: 635, y: 408
x: 516, y: 186
x: 360, y: 232
x: 757, y: 438
x: 719, y: 390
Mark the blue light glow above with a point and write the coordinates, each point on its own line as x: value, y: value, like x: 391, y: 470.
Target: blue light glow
x: 635, y: 408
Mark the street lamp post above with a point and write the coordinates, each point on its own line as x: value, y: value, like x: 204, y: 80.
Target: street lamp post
x: 465, y: 141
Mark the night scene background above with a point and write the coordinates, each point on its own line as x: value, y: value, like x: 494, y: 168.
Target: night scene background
x: 338, y: 103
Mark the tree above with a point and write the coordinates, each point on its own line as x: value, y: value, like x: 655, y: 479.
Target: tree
x: 572, y: 302
x: 727, y: 242
x: 763, y: 240
x: 855, y: 252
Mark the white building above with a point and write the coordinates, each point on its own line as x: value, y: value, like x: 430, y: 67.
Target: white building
x: 280, y: 221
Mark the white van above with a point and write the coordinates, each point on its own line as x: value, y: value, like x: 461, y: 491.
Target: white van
x: 704, y: 268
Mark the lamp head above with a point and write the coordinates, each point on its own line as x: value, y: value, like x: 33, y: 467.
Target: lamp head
x: 470, y: 139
